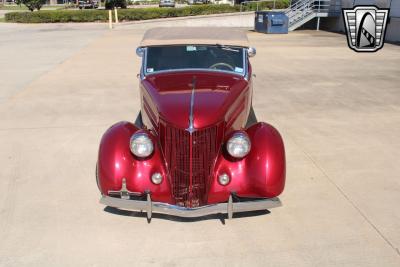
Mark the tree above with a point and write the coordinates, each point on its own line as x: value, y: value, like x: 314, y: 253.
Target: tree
x: 33, y: 4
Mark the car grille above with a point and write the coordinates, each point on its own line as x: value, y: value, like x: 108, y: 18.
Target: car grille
x: 177, y: 153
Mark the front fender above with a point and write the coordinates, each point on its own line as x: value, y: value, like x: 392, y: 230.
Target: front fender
x: 260, y: 174
x: 115, y: 162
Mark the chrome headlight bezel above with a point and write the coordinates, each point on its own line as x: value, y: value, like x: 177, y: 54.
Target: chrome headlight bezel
x: 238, y: 145
x: 141, y: 145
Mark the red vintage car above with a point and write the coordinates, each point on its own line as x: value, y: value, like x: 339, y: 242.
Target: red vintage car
x: 196, y: 147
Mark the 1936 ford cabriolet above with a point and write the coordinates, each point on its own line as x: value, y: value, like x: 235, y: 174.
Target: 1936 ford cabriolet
x: 196, y: 147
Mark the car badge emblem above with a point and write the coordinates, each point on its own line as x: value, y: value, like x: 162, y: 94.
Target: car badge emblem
x: 365, y: 27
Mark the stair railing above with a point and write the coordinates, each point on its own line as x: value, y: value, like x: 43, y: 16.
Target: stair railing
x: 300, y: 10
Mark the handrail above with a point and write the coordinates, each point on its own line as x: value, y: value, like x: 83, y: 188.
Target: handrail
x: 302, y: 9
x: 242, y: 4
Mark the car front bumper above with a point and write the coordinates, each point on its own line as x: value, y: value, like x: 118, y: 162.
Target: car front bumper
x: 158, y: 207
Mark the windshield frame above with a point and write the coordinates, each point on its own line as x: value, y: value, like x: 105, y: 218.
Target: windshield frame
x: 244, y: 74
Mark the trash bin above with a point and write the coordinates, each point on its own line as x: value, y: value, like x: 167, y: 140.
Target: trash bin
x: 271, y: 22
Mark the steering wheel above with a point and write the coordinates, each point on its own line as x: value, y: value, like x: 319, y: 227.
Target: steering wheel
x: 221, y: 64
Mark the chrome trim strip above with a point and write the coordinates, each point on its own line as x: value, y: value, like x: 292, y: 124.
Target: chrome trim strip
x: 149, y: 206
x: 144, y: 63
x: 191, y: 129
x: 230, y: 207
x: 244, y: 74
x: 158, y: 207
x: 246, y: 64
x: 204, y: 70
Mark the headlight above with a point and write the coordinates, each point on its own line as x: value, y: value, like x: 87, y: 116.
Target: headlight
x: 141, y: 145
x: 238, y: 145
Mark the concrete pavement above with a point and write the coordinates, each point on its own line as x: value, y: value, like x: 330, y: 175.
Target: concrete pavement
x: 338, y: 112
x: 28, y: 51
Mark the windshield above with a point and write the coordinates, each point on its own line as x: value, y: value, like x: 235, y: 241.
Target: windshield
x: 221, y: 58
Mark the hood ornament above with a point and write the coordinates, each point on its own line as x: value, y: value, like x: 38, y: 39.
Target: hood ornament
x: 191, y: 128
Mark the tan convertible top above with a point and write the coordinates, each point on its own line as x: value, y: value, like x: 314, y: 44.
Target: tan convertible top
x: 195, y: 35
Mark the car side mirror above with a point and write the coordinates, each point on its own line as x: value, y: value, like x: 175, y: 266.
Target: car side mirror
x: 140, y: 51
x: 251, y: 51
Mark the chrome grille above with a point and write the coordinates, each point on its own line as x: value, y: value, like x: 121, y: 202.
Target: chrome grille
x: 176, y: 148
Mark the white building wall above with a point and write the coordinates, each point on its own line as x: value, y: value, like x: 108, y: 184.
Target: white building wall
x: 395, y: 9
x: 393, y: 27
x: 364, y: 2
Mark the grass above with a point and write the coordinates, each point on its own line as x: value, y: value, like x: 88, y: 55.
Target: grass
x: 2, y: 19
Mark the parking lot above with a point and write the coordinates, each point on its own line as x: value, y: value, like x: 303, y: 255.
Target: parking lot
x: 338, y: 111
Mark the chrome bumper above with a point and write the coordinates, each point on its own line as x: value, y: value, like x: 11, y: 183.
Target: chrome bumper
x: 158, y: 207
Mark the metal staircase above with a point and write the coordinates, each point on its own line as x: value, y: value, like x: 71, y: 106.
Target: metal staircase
x: 302, y: 11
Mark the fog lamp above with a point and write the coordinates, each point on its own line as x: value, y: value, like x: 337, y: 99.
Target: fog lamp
x: 224, y: 179
x: 156, y: 178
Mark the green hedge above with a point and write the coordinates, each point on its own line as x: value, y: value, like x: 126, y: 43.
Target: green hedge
x: 51, y: 16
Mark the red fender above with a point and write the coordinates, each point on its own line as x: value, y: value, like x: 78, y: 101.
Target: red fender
x: 260, y: 174
x: 116, y: 161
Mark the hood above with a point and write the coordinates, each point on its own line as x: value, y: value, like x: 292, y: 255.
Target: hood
x: 214, y: 95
